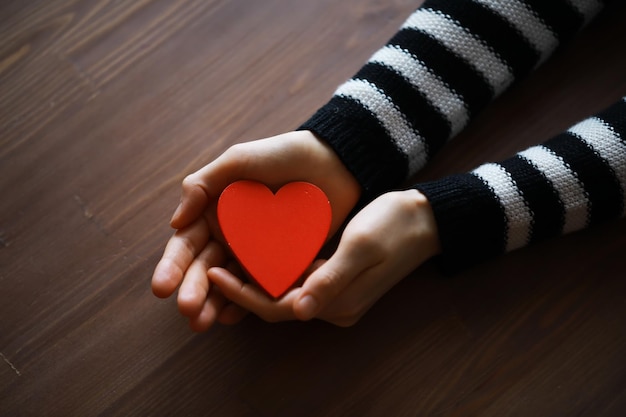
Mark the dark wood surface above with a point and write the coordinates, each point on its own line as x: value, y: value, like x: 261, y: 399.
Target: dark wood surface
x: 106, y: 105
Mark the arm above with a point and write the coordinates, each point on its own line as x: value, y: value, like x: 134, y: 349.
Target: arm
x: 570, y: 182
x: 448, y: 61
x: 573, y: 181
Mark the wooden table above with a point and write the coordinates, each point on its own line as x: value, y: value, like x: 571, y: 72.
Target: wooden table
x: 105, y: 107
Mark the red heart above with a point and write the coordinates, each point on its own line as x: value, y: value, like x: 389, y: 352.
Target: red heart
x: 275, y: 237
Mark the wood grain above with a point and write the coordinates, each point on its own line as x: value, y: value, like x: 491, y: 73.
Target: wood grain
x: 106, y: 105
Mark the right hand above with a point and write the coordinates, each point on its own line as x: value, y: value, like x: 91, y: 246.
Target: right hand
x: 382, y: 244
x: 197, y: 244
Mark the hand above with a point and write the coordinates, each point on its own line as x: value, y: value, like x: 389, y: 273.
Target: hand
x: 196, y: 246
x: 382, y: 244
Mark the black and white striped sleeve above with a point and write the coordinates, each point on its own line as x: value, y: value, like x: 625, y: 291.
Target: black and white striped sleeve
x: 446, y: 63
x: 573, y: 181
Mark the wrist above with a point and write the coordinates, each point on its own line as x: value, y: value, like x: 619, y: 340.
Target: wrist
x: 332, y: 175
x: 425, y: 223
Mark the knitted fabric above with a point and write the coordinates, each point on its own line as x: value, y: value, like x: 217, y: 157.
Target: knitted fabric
x: 446, y: 63
x: 573, y: 181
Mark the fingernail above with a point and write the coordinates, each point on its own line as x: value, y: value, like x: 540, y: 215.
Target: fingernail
x: 308, y: 307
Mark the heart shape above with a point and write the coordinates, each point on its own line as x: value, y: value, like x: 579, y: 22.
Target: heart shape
x: 275, y: 237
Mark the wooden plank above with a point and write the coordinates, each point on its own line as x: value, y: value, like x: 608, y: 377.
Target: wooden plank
x: 105, y: 106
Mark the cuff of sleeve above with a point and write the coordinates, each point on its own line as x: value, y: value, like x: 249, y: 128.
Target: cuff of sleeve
x: 362, y: 145
x: 470, y: 220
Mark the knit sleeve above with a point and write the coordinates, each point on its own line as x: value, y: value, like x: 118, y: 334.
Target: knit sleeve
x: 573, y: 181
x: 446, y: 63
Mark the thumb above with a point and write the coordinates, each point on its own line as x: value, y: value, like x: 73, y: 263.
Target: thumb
x: 206, y: 184
x: 326, y: 282
x: 193, y: 201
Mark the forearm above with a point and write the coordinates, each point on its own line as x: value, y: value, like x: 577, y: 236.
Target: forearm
x: 573, y: 181
x: 446, y: 63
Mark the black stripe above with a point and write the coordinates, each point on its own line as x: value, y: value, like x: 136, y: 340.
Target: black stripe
x: 542, y: 199
x: 597, y: 177
x: 470, y: 219
x: 560, y: 16
x: 419, y: 112
x: 494, y: 30
x: 616, y: 117
x: 362, y: 143
x: 452, y: 69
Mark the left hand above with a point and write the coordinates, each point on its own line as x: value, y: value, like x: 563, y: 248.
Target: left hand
x: 382, y: 244
x: 198, y: 245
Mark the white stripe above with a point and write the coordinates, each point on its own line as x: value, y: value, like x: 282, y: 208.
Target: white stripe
x: 464, y: 44
x: 606, y: 143
x: 565, y: 183
x: 587, y: 8
x: 518, y: 215
x: 526, y: 21
x: 449, y: 104
x: 409, y: 141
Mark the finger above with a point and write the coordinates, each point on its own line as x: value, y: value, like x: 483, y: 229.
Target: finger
x: 242, y: 161
x: 364, y: 291
x: 211, y: 310
x: 269, y: 160
x: 180, y: 251
x: 251, y: 298
x: 234, y: 268
x: 232, y: 314
x: 327, y: 281
x: 194, y: 289
x: 356, y: 298
x: 205, y: 185
x: 193, y: 201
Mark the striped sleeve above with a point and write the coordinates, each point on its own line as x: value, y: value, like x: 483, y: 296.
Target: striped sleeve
x: 573, y: 181
x: 445, y: 64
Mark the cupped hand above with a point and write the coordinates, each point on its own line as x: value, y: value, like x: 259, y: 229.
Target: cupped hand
x: 382, y: 244
x: 197, y: 244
